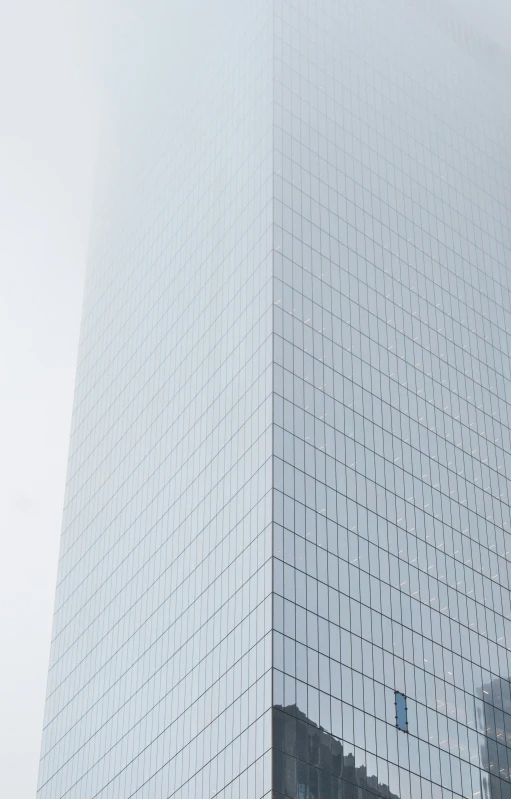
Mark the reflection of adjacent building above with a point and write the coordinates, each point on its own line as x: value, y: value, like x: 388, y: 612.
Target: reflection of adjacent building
x: 495, y: 718
x: 310, y: 763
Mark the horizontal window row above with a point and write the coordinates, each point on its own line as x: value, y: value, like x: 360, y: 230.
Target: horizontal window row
x: 316, y: 616
x: 198, y: 663
x: 366, y: 538
x: 475, y: 602
x: 372, y: 747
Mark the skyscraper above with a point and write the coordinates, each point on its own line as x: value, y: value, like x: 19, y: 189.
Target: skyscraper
x: 284, y: 560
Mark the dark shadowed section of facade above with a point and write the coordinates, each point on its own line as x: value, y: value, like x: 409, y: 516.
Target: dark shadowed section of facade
x: 495, y: 719
x: 310, y: 763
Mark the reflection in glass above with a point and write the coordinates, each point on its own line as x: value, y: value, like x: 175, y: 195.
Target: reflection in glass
x: 310, y: 763
x: 494, y: 718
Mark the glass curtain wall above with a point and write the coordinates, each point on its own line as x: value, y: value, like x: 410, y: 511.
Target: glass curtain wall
x: 284, y: 567
x: 160, y: 673
x: 391, y: 439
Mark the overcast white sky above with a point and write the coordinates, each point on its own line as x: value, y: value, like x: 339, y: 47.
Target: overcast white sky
x: 48, y: 135
x: 49, y: 119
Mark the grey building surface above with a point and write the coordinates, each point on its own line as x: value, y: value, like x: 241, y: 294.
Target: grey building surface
x: 284, y: 567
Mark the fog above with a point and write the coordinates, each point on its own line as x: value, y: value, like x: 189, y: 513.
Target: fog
x: 48, y: 136
x: 493, y: 17
x: 64, y: 64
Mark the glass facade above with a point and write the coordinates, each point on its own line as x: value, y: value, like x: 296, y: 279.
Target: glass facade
x: 160, y: 673
x: 391, y: 437
x: 285, y: 547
